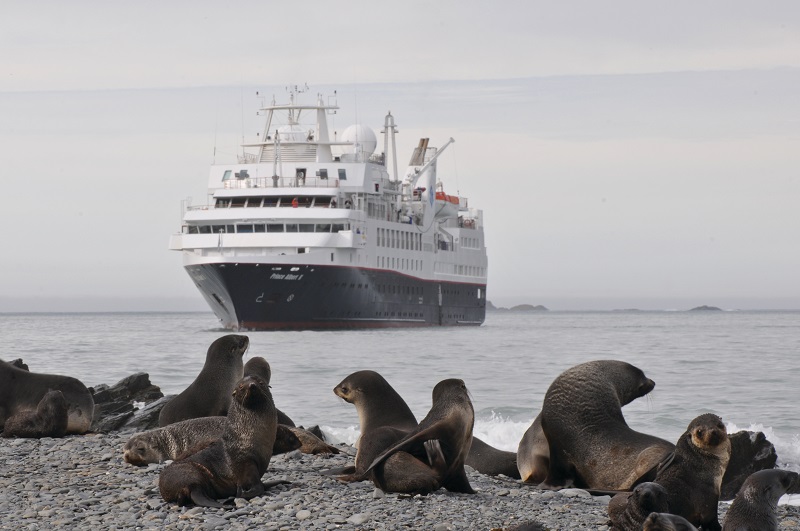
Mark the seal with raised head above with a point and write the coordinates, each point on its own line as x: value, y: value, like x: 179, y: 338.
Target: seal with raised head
x: 48, y: 420
x: 22, y: 390
x: 210, y: 393
x: 628, y: 510
x: 258, y: 366
x: 233, y: 464
x: 183, y: 438
x: 384, y: 418
x: 589, y: 442
x: 692, y: 474
x: 750, y: 452
x: 667, y: 522
x: 755, y: 505
x: 441, y: 443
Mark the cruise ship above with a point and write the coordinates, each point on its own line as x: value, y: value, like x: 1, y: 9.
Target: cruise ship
x: 313, y: 230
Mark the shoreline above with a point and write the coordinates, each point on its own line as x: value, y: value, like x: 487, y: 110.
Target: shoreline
x: 82, y: 480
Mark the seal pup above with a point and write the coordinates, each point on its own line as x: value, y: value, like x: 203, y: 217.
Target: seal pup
x: 755, y: 505
x: 628, y: 510
x: 23, y: 390
x: 533, y: 453
x: 48, y: 420
x: 210, y: 393
x: 692, y: 474
x: 589, y: 442
x: 183, y: 438
x: 233, y: 464
x: 440, y: 442
x: 667, y: 522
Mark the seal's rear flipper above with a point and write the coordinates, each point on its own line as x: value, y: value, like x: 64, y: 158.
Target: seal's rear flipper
x: 201, y: 500
x: 348, y: 470
x: 269, y: 484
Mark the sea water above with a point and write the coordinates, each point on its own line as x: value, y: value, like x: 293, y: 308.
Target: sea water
x: 742, y: 366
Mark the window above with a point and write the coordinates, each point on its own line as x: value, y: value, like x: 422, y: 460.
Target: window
x: 238, y: 201
x: 258, y: 227
x: 336, y: 227
x: 291, y: 227
x: 244, y: 229
x: 306, y: 227
x: 254, y: 201
x: 342, y: 174
x: 275, y: 227
x: 323, y: 227
x: 323, y: 174
x: 227, y: 175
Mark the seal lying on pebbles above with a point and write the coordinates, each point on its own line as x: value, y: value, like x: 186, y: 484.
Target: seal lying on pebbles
x: 183, y: 438
x: 48, y: 420
x: 232, y: 465
x: 22, y: 390
x: 433, y: 454
x: 693, y: 474
x: 755, y: 505
x: 628, y: 510
x: 210, y: 393
x: 590, y: 444
x: 667, y: 522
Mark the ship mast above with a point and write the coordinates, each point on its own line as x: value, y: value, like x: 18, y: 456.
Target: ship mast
x: 389, y: 127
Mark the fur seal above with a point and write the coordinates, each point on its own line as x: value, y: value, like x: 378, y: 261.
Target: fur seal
x: 258, y: 366
x: 754, y: 507
x: 48, y: 420
x: 23, y: 390
x: 183, y: 438
x: 233, y: 464
x: 589, y: 442
x: 667, y: 522
x: 628, y: 510
x: 384, y: 418
x: 210, y: 393
x: 692, y: 474
x: 439, y: 445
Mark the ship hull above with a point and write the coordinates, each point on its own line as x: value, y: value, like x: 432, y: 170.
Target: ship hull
x: 301, y: 297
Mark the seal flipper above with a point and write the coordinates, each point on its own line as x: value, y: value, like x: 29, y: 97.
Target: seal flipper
x: 200, y: 498
x: 458, y: 482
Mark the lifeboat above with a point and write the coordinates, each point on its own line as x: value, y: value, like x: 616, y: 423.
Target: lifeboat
x: 446, y: 205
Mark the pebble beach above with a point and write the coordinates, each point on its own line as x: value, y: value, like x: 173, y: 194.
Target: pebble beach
x: 82, y: 482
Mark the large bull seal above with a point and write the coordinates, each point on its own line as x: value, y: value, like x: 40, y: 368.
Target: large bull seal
x: 210, y: 393
x: 22, y: 390
x: 232, y: 465
x: 433, y: 454
x: 590, y: 444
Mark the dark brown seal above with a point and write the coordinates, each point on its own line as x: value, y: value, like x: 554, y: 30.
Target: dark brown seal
x: 210, y: 393
x: 628, y: 510
x: 232, y: 465
x: 589, y: 442
x: 384, y: 418
x: 693, y: 473
x: 48, y: 420
x: 667, y: 522
x: 754, y: 507
x: 441, y: 442
x: 22, y: 390
x: 258, y: 366
x: 189, y: 436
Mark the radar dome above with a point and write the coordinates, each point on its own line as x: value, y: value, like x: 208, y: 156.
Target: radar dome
x: 363, y: 136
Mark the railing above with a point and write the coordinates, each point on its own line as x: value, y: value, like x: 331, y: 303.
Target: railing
x: 247, y: 158
x: 280, y: 182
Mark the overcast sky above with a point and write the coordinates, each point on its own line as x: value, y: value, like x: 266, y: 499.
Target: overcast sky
x: 625, y: 154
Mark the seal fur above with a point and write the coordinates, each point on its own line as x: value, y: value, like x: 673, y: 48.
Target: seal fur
x: 210, y: 393
x: 233, y: 464
x: 590, y: 445
x: 48, y: 420
x: 628, y: 510
x: 22, y: 390
x: 755, y: 505
x: 441, y: 441
x: 693, y: 474
x: 667, y: 522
